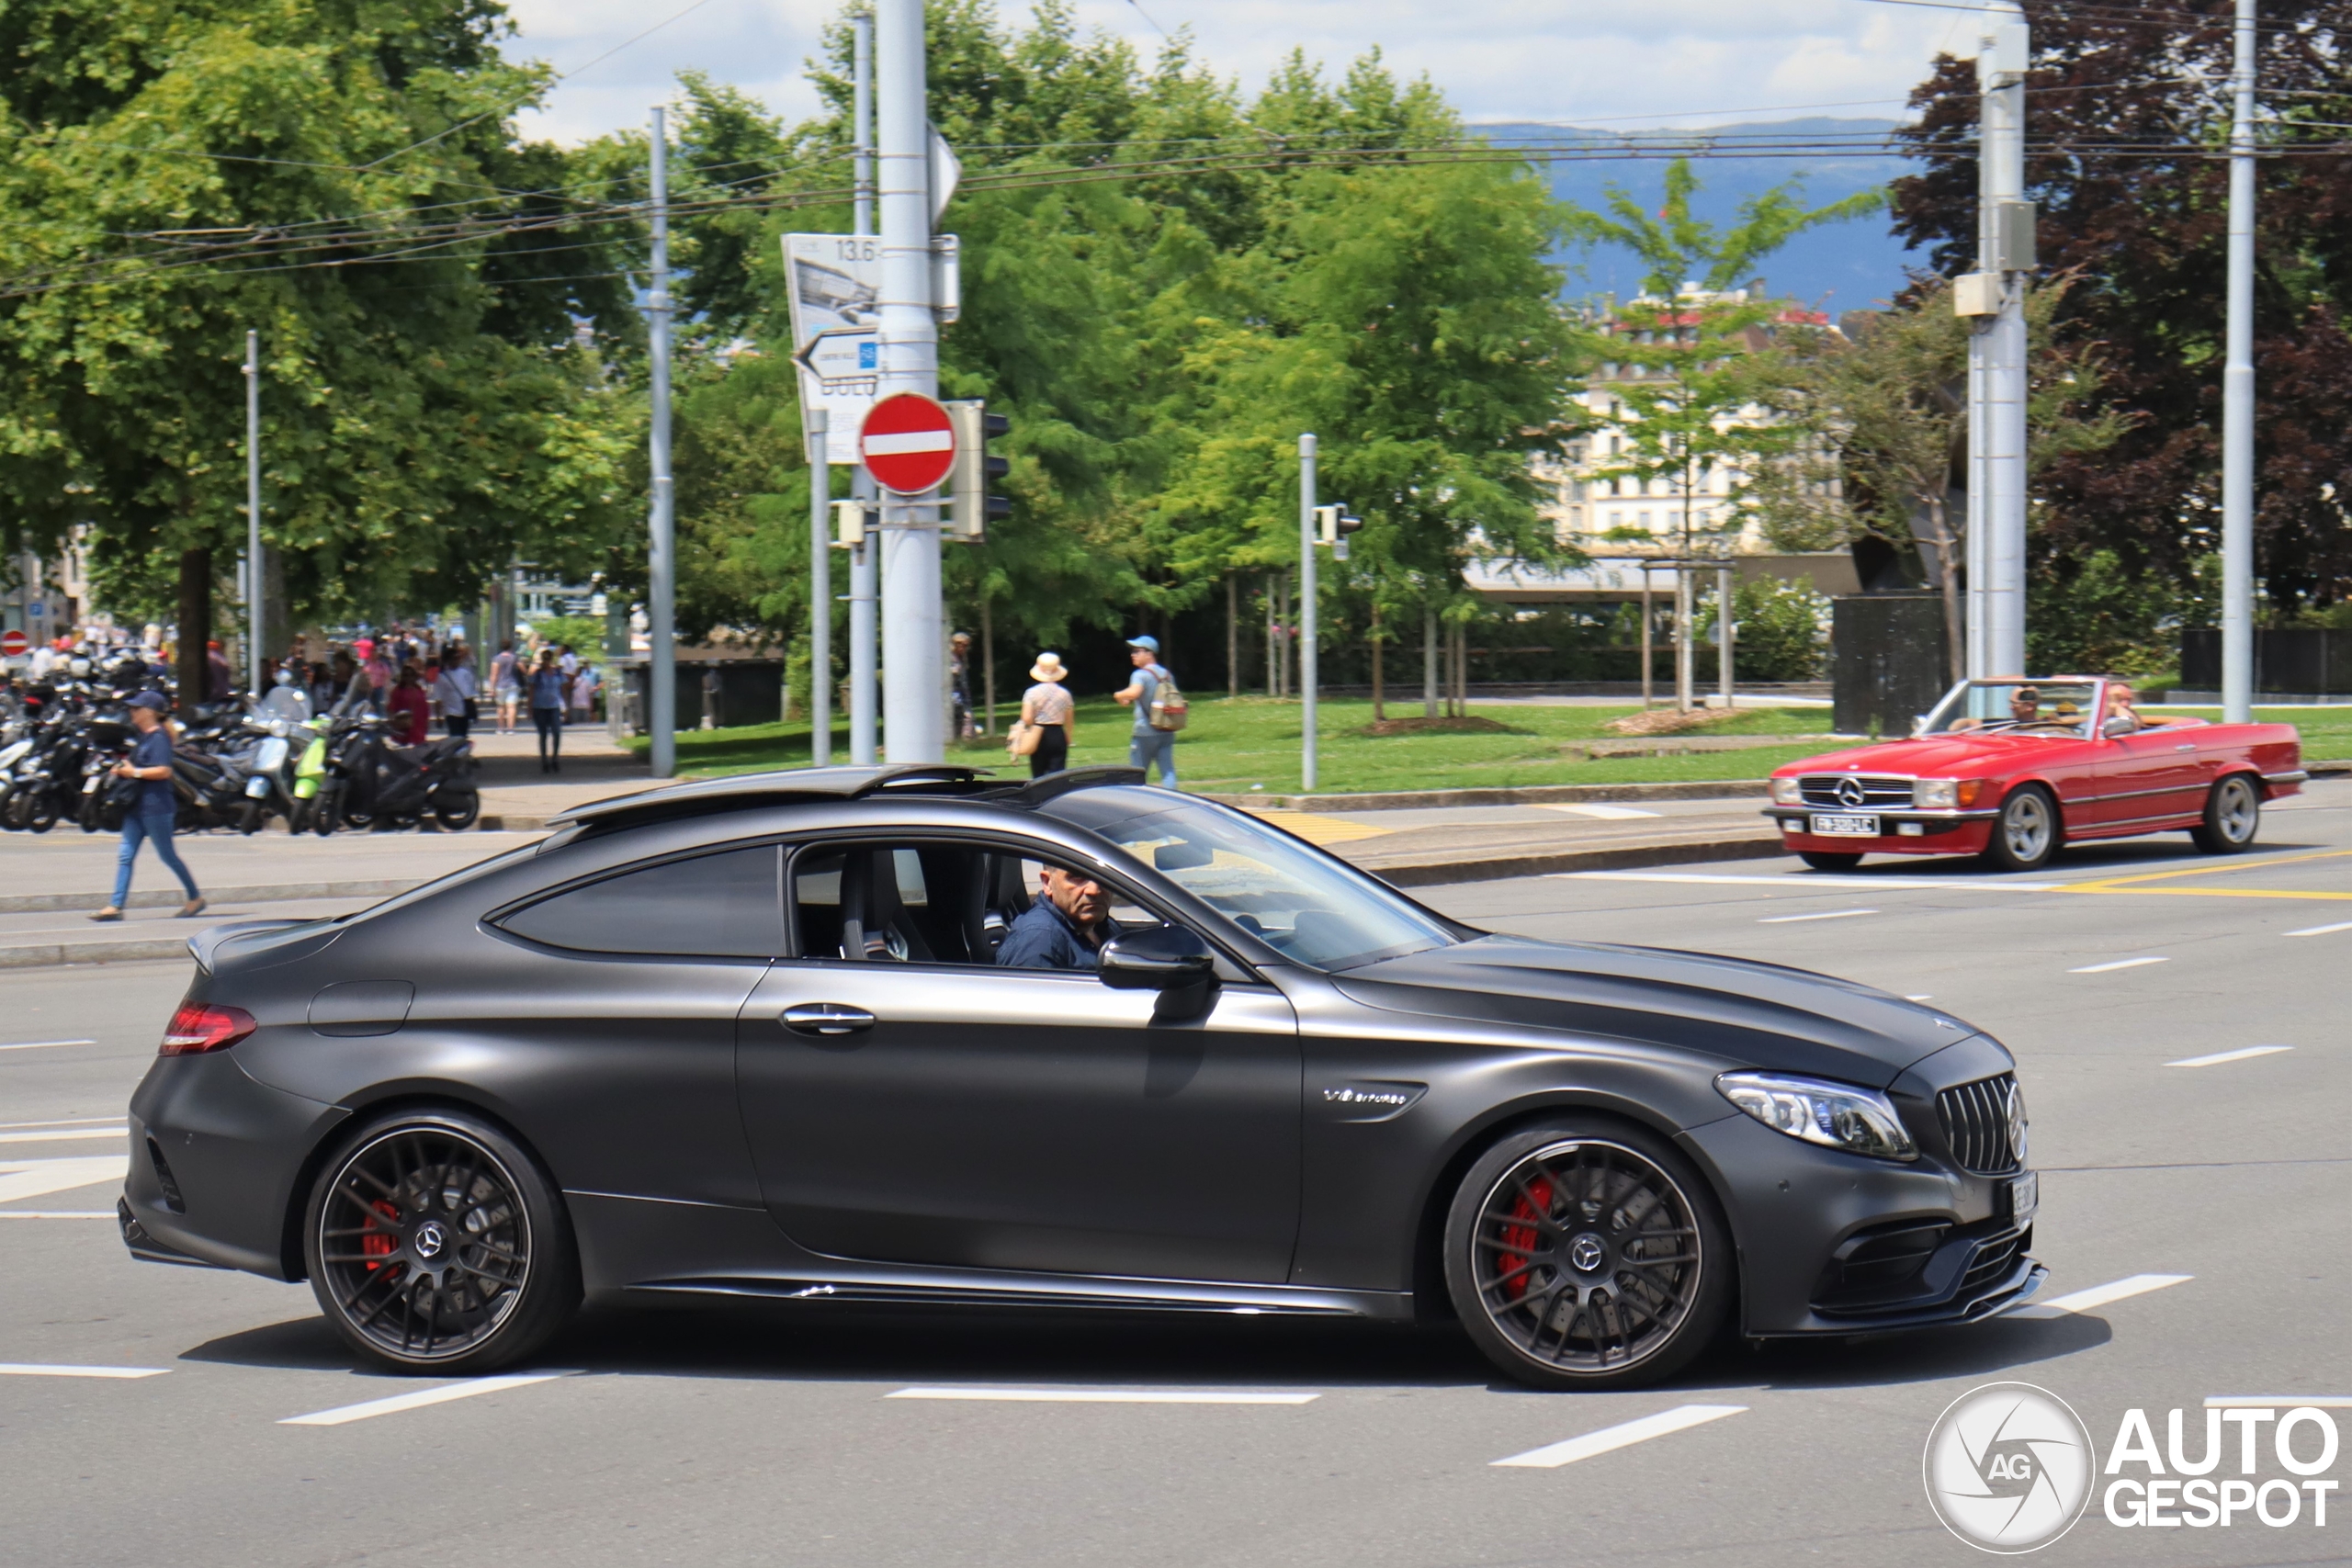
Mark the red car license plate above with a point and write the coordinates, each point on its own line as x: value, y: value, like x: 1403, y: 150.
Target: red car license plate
x: 1844, y: 827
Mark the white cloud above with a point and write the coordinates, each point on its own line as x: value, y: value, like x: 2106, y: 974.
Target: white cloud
x: 1680, y: 60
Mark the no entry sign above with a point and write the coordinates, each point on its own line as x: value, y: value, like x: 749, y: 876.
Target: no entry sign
x: 11, y: 644
x: 907, y: 442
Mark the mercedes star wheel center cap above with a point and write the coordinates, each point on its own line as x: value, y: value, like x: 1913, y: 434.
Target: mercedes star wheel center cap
x: 1586, y: 1252
x: 429, y: 1239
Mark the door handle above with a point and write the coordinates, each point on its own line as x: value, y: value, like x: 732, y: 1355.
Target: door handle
x: 825, y: 1018
x: 2186, y: 746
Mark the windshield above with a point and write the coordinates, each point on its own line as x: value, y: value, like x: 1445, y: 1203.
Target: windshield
x: 2027, y: 707
x: 1311, y: 907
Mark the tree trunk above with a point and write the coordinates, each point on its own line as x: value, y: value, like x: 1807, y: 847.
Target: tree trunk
x: 1232, y: 636
x: 1428, y: 663
x: 1273, y: 678
x: 1379, y: 697
x: 195, y: 629
x: 1948, y: 579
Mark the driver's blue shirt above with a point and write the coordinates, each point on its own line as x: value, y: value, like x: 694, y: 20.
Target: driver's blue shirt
x: 1044, y: 938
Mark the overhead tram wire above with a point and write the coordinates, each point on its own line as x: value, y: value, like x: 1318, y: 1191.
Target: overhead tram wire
x: 2114, y: 16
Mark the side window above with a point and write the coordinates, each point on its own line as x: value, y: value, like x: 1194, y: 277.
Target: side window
x: 727, y: 905
x: 921, y: 903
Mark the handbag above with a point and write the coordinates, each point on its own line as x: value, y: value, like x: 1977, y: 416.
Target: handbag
x: 1021, y: 739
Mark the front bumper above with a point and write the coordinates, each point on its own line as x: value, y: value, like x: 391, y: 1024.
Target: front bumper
x: 1907, y: 833
x: 1832, y: 1243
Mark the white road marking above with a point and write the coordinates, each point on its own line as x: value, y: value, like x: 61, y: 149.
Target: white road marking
x: 56, y: 1213
x: 1606, y: 813
x: 1825, y: 914
x: 2324, y: 931
x: 1104, y: 1396
x: 1623, y: 1434
x: 37, y: 1369
x: 2277, y: 1401
x: 1925, y: 999
x: 2216, y: 1059
x: 2118, y: 964
x: 46, y: 1044
x: 34, y: 1178
x: 67, y: 1121
x: 345, y: 1413
x: 2101, y: 1295
x: 1795, y: 881
x: 61, y: 1135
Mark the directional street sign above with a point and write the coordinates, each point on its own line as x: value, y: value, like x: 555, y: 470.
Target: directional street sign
x: 836, y: 287
x: 11, y: 644
x: 907, y: 443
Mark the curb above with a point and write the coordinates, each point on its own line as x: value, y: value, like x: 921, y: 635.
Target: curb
x: 162, y: 898
x: 1497, y: 868
x: 1527, y: 794
x: 59, y: 954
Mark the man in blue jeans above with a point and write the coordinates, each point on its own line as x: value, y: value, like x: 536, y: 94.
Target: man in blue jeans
x: 152, y: 812
x: 1148, y: 745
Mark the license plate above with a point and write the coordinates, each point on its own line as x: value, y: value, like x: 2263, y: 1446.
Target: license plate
x: 1844, y: 827
x: 2025, y: 1197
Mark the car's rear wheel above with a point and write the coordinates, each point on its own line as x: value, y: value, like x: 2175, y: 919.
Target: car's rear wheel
x: 1823, y: 860
x: 2027, y: 833
x: 436, y: 1244
x: 2232, y: 817
x: 1588, y: 1254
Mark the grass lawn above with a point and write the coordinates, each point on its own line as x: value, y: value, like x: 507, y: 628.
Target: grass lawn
x: 1235, y: 744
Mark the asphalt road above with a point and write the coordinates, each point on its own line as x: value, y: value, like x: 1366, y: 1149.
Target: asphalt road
x: 735, y: 1436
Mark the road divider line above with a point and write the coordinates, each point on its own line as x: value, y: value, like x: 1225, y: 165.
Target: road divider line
x: 2278, y: 1401
x: 2118, y: 964
x: 1104, y: 1396
x: 38, y: 1178
x: 57, y: 1214
x: 37, y: 1369
x: 1601, y: 813
x: 2102, y: 1295
x: 1921, y: 998
x: 45, y: 1044
x: 2324, y: 931
x: 67, y: 1121
x: 1799, y: 880
x: 345, y: 1413
x: 2218, y: 1057
x: 1825, y: 915
x: 1623, y: 1434
x: 61, y: 1135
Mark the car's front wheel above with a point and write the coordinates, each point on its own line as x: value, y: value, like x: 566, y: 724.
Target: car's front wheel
x: 1822, y: 859
x: 436, y: 1244
x: 2232, y: 817
x: 1588, y: 1254
x: 2027, y: 833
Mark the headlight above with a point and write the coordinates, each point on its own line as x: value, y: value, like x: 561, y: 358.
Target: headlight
x: 1840, y: 1116
x: 1945, y: 795
x: 1786, y: 792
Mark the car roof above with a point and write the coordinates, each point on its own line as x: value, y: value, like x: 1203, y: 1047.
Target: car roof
x: 784, y: 785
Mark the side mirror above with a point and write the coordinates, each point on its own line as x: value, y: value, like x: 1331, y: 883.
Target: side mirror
x: 1918, y: 724
x: 2117, y: 725
x: 1157, y: 960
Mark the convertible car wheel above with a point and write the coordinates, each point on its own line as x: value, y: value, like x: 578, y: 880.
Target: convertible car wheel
x: 2232, y: 817
x: 1822, y: 859
x: 2027, y: 833
x: 436, y: 1245
x: 1587, y: 1255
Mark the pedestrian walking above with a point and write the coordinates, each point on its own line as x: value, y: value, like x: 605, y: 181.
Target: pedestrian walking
x: 959, y: 690
x: 546, y: 710
x: 1147, y: 742
x: 505, y: 686
x: 151, y: 809
x: 1047, y: 708
x: 454, y: 686
x: 584, y: 694
x: 405, y: 710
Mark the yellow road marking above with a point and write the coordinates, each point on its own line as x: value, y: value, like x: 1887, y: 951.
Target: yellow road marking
x: 2205, y: 892
x: 2131, y: 883
x: 1318, y: 830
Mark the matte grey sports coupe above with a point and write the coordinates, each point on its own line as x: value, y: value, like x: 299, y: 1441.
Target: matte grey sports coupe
x: 911, y: 1034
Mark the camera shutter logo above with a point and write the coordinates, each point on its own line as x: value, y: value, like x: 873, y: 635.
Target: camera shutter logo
x: 2008, y: 1467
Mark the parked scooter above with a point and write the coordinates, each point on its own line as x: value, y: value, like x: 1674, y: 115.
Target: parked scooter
x: 379, y: 785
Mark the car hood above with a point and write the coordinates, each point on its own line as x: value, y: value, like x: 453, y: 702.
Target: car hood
x: 1938, y: 756
x: 1748, y: 1014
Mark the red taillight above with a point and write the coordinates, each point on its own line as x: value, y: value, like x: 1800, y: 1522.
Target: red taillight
x: 198, y: 1027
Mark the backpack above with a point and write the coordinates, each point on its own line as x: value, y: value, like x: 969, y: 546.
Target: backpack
x: 1168, y: 707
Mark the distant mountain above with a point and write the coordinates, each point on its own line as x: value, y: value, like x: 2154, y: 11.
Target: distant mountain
x: 1845, y: 266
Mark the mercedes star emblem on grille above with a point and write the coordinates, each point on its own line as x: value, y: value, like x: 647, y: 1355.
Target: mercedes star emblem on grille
x: 1850, y: 791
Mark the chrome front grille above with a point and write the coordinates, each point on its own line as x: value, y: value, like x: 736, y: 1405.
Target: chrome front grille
x: 1822, y: 789
x: 1975, y: 1121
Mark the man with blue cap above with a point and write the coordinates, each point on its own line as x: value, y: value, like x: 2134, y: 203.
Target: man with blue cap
x: 152, y: 809
x: 1148, y: 743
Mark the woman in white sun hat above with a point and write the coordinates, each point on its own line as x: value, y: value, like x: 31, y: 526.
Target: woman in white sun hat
x: 1048, y: 706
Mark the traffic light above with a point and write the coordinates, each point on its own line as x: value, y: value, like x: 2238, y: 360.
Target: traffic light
x: 967, y: 482
x: 1332, y: 527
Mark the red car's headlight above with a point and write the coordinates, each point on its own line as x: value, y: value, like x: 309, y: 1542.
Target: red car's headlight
x: 197, y: 1028
x: 1786, y: 792
x: 1944, y: 794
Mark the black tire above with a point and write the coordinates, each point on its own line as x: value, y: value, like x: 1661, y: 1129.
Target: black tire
x: 437, y: 1246
x: 2028, y: 832
x: 251, y: 816
x: 40, y: 812
x: 1823, y: 860
x: 324, y: 811
x: 298, y: 816
x: 457, y: 813
x: 2232, y: 817
x: 1574, y: 1205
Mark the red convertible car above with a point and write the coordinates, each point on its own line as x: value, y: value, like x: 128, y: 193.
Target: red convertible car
x: 2013, y: 768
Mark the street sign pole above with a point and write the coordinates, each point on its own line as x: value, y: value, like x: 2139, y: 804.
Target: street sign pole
x: 863, y: 654
x: 820, y: 591
x: 2237, y: 396
x: 253, y: 578
x: 914, y: 644
x: 1306, y: 640
x: 2001, y: 72
x: 662, y: 681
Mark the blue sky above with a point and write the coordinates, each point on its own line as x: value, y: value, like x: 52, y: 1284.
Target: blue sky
x: 1669, y: 62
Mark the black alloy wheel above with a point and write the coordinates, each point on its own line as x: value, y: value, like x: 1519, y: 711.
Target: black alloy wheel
x: 2232, y: 817
x: 1587, y: 1254
x: 436, y: 1244
x: 1823, y: 860
x: 2028, y: 832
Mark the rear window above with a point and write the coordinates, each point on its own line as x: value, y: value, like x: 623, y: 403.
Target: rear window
x: 727, y: 905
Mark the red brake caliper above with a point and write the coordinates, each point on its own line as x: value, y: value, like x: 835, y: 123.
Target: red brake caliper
x: 377, y: 1242
x: 1522, y: 1238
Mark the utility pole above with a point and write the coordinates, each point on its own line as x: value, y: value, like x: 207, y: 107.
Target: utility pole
x: 253, y: 578
x: 2237, y: 396
x: 863, y: 557
x: 1307, y: 641
x: 820, y: 591
x: 1725, y: 631
x: 661, y: 611
x: 2005, y: 254
x: 914, y: 641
